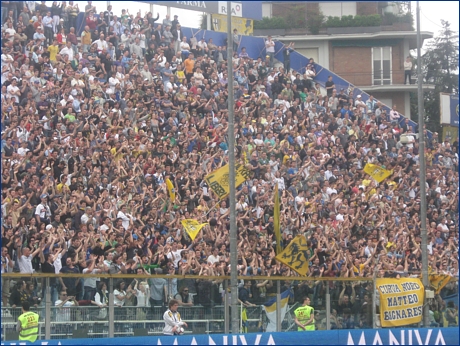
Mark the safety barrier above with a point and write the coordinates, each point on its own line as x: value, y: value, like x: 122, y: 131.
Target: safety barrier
x: 419, y: 336
x: 208, y: 315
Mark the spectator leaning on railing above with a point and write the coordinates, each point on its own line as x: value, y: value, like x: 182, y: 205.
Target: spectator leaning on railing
x: 92, y: 129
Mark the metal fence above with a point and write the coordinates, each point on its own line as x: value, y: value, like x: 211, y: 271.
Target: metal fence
x: 339, y: 303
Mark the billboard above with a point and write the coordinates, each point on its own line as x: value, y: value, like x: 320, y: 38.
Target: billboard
x: 400, y: 336
x: 243, y: 25
x: 449, y: 109
x: 244, y: 9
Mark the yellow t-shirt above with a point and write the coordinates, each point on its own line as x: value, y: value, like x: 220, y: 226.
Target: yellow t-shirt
x: 116, y: 157
x: 53, y: 52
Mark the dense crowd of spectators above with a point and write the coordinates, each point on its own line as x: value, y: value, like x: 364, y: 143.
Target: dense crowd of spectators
x: 93, y: 125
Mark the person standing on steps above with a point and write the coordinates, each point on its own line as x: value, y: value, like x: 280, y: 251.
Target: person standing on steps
x: 287, y: 56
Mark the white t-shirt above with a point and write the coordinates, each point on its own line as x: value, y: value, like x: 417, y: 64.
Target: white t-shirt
x: 64, y: 313
x: 270, y: 46
x: 175, y: 256
x: 25, y: 264
x: 11, y: 90
x: 117, y: 301
x: 67, y: 51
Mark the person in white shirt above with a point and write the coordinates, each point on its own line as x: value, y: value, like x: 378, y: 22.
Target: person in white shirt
x: 125, y: 217
x: 101, y: 44
x: 10, y: 31
x: 360, y: 105
x: 25, y: 261
x: 175, y: 254
x: 67, y: 50
x: 64, y: 304
x: 214, y: 257
x: 394, y: 114
x: 119, y: 294
x: 184, y: 48
x: 13, y: 91
x: 299, y: 200
x: 270, y: 49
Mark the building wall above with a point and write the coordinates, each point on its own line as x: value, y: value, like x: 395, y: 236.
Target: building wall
x: 352, y: 63
x: 397, y: 99
x: 398, y: 63
x: 283, y: 9
x: 355, y: 64
x: 367, y: 8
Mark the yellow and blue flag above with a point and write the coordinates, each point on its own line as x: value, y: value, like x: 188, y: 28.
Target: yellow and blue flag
x: 271, y: 306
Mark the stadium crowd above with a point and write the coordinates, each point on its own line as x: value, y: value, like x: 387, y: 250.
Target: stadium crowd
x: 93, y: 124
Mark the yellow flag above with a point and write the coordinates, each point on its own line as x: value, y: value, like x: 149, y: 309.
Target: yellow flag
x: 245, y: 158
x: 438, y: 281
x: 192, y: 227
x: 276, y: 220
x: 171, y: 189
x: 218, y: 180
x: 296, y: 255
x: 377, y: 172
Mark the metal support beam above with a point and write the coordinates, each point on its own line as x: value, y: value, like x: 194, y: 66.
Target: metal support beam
x: 47, y: 310
x: 278, y: 306
x: 111, y: 310
x: 231, y: 177
x: 328, y: 307
x: 421, y: 141
x: 226, y: 308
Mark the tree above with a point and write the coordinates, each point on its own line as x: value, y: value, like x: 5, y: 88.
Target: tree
x: 439, y: 67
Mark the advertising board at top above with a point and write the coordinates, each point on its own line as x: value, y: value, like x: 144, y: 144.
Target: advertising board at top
x: 449, y: 109
x: 245, y: 9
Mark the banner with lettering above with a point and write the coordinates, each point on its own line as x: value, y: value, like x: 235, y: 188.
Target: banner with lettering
x: 401, y: 301
x: 218, y: 181
x: 377, y: 172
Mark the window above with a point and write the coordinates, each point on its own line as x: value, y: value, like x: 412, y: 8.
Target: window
x: 381, y: 65
x: 338, y: 9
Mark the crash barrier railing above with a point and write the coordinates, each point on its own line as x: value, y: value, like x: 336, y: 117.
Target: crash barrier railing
x: 210, y: 295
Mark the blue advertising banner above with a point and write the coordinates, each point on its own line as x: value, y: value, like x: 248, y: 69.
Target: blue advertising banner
x: 416, y: 336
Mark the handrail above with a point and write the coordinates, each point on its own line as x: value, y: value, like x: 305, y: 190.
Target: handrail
x: 195, y: 277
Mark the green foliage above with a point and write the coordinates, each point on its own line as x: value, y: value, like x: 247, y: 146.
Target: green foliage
x: 391, y: 18
x: 356, y: 21
x: 295, y: 18
x: 315, y: 20
x: 270, y: 23
x: 440, y: 68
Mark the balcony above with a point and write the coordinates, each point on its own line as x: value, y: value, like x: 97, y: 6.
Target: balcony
x: 368, y: 81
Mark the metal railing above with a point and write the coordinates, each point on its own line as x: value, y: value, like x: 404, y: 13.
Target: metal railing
x: 209, y: 314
